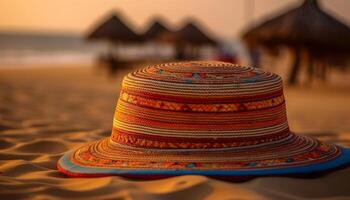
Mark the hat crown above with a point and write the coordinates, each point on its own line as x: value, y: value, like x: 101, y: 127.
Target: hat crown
x: 200, y: 105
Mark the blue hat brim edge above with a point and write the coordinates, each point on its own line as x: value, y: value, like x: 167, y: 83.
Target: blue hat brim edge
x: 66, y: 165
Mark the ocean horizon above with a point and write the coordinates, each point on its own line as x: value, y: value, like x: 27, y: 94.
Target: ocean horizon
x: 28, y: 49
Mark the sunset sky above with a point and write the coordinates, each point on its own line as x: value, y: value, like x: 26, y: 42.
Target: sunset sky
x: 224, y: 18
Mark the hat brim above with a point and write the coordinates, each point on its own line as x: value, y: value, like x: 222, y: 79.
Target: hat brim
x: 304, y: 155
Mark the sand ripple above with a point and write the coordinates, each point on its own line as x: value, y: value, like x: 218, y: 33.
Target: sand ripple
x: 43, y: 146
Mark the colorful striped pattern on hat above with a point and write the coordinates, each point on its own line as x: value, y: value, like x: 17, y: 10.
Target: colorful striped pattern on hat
x: 199, y: 106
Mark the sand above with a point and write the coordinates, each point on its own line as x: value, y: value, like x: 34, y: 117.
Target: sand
x: 45, y: 112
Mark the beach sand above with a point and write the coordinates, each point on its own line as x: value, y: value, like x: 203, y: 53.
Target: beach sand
x: 45, y: 112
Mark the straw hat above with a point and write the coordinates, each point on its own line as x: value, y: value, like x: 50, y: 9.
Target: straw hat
x: 206, y: 118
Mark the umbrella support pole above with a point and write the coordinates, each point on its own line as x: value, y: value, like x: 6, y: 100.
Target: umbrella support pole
x: 323, y: 73
x: 311, y: 68
x: 295, y: 67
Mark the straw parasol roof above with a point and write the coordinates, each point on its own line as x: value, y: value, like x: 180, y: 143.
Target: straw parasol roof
x: 189, y: 34
x: 114, y: 29
x: 192, y: 34
x: 155, y: 30
x: 306, y: 27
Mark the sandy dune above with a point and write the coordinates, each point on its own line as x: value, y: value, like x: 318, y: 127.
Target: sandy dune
x: 45, y: 112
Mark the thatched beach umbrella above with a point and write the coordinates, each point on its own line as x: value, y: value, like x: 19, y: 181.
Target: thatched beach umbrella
x: 114, y: 30
x: 189, y: 36
x: 193, y: 35
x: 155, y: 30
x: 306, y: 28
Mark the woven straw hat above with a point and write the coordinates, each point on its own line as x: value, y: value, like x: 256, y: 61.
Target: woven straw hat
x: 205, y: 118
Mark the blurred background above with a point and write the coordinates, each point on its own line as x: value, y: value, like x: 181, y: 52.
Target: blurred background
x: 61, y: 62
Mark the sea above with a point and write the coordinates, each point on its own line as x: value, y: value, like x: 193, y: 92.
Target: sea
x: 25, y: 49
x: 28, y: 49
